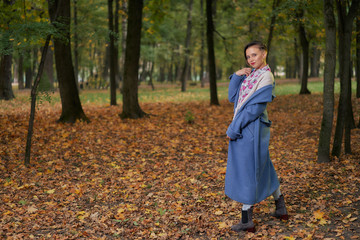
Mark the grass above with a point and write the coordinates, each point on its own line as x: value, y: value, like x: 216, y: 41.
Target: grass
x: 172, y: 93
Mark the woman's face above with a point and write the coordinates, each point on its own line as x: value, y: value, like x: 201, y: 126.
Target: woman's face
x: 256, y: 57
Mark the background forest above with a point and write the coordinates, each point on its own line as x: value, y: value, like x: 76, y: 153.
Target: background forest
x: 145, y: 172
x: 163, y: 42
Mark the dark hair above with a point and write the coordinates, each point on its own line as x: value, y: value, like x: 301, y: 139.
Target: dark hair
x: 261, y: 46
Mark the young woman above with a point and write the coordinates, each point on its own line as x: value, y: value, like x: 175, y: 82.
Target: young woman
x: 250, y: 175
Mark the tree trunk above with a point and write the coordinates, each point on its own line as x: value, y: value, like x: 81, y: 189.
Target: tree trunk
x: 131, y: 107
x: 187, y: 48
x: 33, y: 101
x: 357, y: 67
x: 105, y: 73
x: 272, y: 25
x: 151, y: 75
x: 28, y: 69
x: 211, y: 54
x: 112, y: 54
x: 345, y: 21
x: 21, y: 71
x: 116, y: 43
x: 76, y: 45
x: 253, y: 24
x: 69, y: 94
x: 202, y: 35
x: 329, y: 76
x: 123, y: 40
x: 315, y: 62
x: 171, y: 71
x: 358, y: 60
x: 305, y: 56
x: 6, y: 92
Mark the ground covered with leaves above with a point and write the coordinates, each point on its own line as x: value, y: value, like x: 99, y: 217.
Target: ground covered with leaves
x: 163, y: 178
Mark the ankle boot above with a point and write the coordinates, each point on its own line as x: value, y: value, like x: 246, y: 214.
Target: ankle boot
x: 280, y: 211
x: 246, y: 223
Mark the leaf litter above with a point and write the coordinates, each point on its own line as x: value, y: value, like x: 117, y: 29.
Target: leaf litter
x: 162, y: 177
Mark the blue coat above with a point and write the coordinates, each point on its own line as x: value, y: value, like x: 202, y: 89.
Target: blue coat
x: 250, y: 174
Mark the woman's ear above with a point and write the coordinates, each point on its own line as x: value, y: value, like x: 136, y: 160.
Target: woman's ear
x: 264, y: 54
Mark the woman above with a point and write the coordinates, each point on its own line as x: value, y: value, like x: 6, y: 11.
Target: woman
x: 250, y: 174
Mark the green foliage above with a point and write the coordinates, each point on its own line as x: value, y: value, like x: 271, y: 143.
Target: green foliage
x: 43, y: 96
x: 23, y: 25
x: 189, y: 117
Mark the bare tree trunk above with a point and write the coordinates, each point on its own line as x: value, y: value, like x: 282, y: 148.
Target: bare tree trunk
x: 329, y: 76
x: 21, y: 71
x: 298, y: 68
x: 131, y: 107
x: 315, y: 61
x: 123, y: 40
x: 116, y: 45
x: 305, y: 55
x: 272, y: 25
x: 187, y: 48
x: 6, y: 92
x: 33, y: 102
x: 358, y: 60
x: 76, y: 45
x: 28, y: 69
x: 151, y: 75
x: 112, y: 54
x: 211, y: 54
x: 345, y: 21
x: 202, y: 34
x: 69, y: 93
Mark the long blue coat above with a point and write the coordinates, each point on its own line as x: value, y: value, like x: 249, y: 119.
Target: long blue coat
x: 250, y: 174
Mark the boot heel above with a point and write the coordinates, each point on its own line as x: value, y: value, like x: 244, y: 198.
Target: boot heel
x: 284, y: 217
x: 251, y: 229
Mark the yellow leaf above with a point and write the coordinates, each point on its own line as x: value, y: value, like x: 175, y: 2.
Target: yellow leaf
x: 289, y: 238
x: 50, y: 191
x: 318, y: 214
x: 218, y: 212
x: 222, y: 225
x: 323, y: 221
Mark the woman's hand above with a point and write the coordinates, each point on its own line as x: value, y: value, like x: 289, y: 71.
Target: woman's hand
x: 229, y: 138
x: 244, y: 71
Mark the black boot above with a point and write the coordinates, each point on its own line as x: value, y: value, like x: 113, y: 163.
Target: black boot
x: 280, y: 211
x: 246, y: 223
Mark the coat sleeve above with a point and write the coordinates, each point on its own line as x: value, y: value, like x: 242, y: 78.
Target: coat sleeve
x: 234, y: 84
x: 242, y: 119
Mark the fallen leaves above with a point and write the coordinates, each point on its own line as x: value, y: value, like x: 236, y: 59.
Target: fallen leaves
x: 162, y: 178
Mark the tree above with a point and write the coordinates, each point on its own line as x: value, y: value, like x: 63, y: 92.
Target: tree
x: 76, y: 42
x: 112, y: 54
x: 131, y: 107
x: 6, y: 92
x: 329, y: 76
x: 33, y: 101
x: 187, y: 48
x: 275, y: 5
x: 358, y: 59
x: 69, y: 93
x: 304, y: 41
x: 21, y: 71
x: 346, y: 15
x: 202, y: 36
x: 211, y: 54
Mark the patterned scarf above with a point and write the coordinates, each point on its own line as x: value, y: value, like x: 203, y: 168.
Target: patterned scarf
x: 249, y: 85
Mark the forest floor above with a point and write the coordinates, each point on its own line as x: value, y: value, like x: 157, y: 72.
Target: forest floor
x: 163, y: 178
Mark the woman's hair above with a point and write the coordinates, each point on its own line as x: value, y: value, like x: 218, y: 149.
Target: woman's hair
x: 261, y: 46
